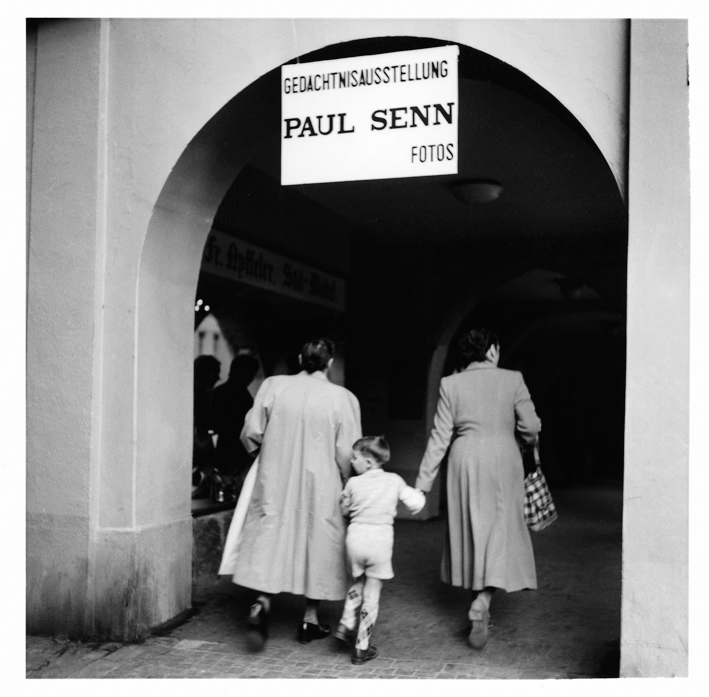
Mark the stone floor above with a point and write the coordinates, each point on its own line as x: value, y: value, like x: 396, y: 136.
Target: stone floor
x: 568, y: 628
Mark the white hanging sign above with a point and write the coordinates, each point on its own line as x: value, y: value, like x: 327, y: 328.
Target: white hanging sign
x: 370, y: 117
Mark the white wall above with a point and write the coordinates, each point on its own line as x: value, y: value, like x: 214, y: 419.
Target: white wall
x: 64, y: 242
x: 655, y: 513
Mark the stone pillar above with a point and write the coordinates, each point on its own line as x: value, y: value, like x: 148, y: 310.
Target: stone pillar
x: 61, y: 293
x: 655, y: 516
x: 109, y: 531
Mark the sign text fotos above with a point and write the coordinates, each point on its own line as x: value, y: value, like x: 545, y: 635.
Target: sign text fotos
x: 370, y: 117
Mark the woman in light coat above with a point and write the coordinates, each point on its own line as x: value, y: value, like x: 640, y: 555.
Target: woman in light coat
x: 302, y: 427
x: 484, y: 413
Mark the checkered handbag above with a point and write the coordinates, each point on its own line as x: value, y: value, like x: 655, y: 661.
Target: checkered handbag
x: 539, y: 509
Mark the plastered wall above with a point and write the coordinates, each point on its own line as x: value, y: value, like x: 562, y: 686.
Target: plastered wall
x: 655, y: 508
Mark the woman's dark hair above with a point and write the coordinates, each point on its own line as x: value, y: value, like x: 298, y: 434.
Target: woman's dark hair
x: 243, y: 369
x: 206, y: 370
x: 475, y: 344
x: 374, y: 446
x: 316, y: 354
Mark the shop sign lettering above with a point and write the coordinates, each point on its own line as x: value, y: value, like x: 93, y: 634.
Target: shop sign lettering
x: 370, y: 117
x: 229, y: 257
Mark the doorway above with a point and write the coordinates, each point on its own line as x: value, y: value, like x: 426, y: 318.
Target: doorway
x: 414, y: 252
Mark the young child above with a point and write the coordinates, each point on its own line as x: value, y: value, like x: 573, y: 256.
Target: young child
x: 370, y: 501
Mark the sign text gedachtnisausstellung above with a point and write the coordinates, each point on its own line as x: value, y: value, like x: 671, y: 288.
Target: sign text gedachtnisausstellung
x: 370, y: 117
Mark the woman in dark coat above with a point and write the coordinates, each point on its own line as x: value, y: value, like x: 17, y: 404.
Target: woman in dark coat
x: 484, y: 413
x: 231, y: 402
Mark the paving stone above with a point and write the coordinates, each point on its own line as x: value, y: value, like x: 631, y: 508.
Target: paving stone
x: 278, y: 669
x: 271, y: 662
x: 404, y: 663
x: 127, y: 653
x: 95, y: 670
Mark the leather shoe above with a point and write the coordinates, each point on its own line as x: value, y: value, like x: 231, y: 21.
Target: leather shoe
x: 307, y: 631
x: 478, y: 633
x: 257, y: 627
x: 360, y: 656
x: 343, y: 634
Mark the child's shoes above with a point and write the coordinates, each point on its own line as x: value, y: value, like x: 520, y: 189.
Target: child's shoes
x: 343, y: 634
x: 360, y: 656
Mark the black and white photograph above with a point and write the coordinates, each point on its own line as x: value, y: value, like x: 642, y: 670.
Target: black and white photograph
x: 358, y: 347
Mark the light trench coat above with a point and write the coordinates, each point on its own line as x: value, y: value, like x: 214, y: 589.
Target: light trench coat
x: 293, y: 538
x: 482, y: 413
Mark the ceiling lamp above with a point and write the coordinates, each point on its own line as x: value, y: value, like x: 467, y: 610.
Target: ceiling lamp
x: 475, y: 191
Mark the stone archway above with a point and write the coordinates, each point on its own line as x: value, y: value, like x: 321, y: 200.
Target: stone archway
x: 111, y: 137
x: 167, y: 278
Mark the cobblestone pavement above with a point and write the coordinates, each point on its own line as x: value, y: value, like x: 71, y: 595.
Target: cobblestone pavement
x: 568, y: 628
x: 192, y: 658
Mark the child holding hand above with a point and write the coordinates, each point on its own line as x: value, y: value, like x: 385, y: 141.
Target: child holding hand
x: 370, y: 500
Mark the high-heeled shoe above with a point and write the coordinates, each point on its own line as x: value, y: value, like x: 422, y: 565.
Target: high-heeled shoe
x: 307, y: 631
x: 257, y: 626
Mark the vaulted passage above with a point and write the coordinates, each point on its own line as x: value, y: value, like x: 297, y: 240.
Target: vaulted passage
x: 529, y: 239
